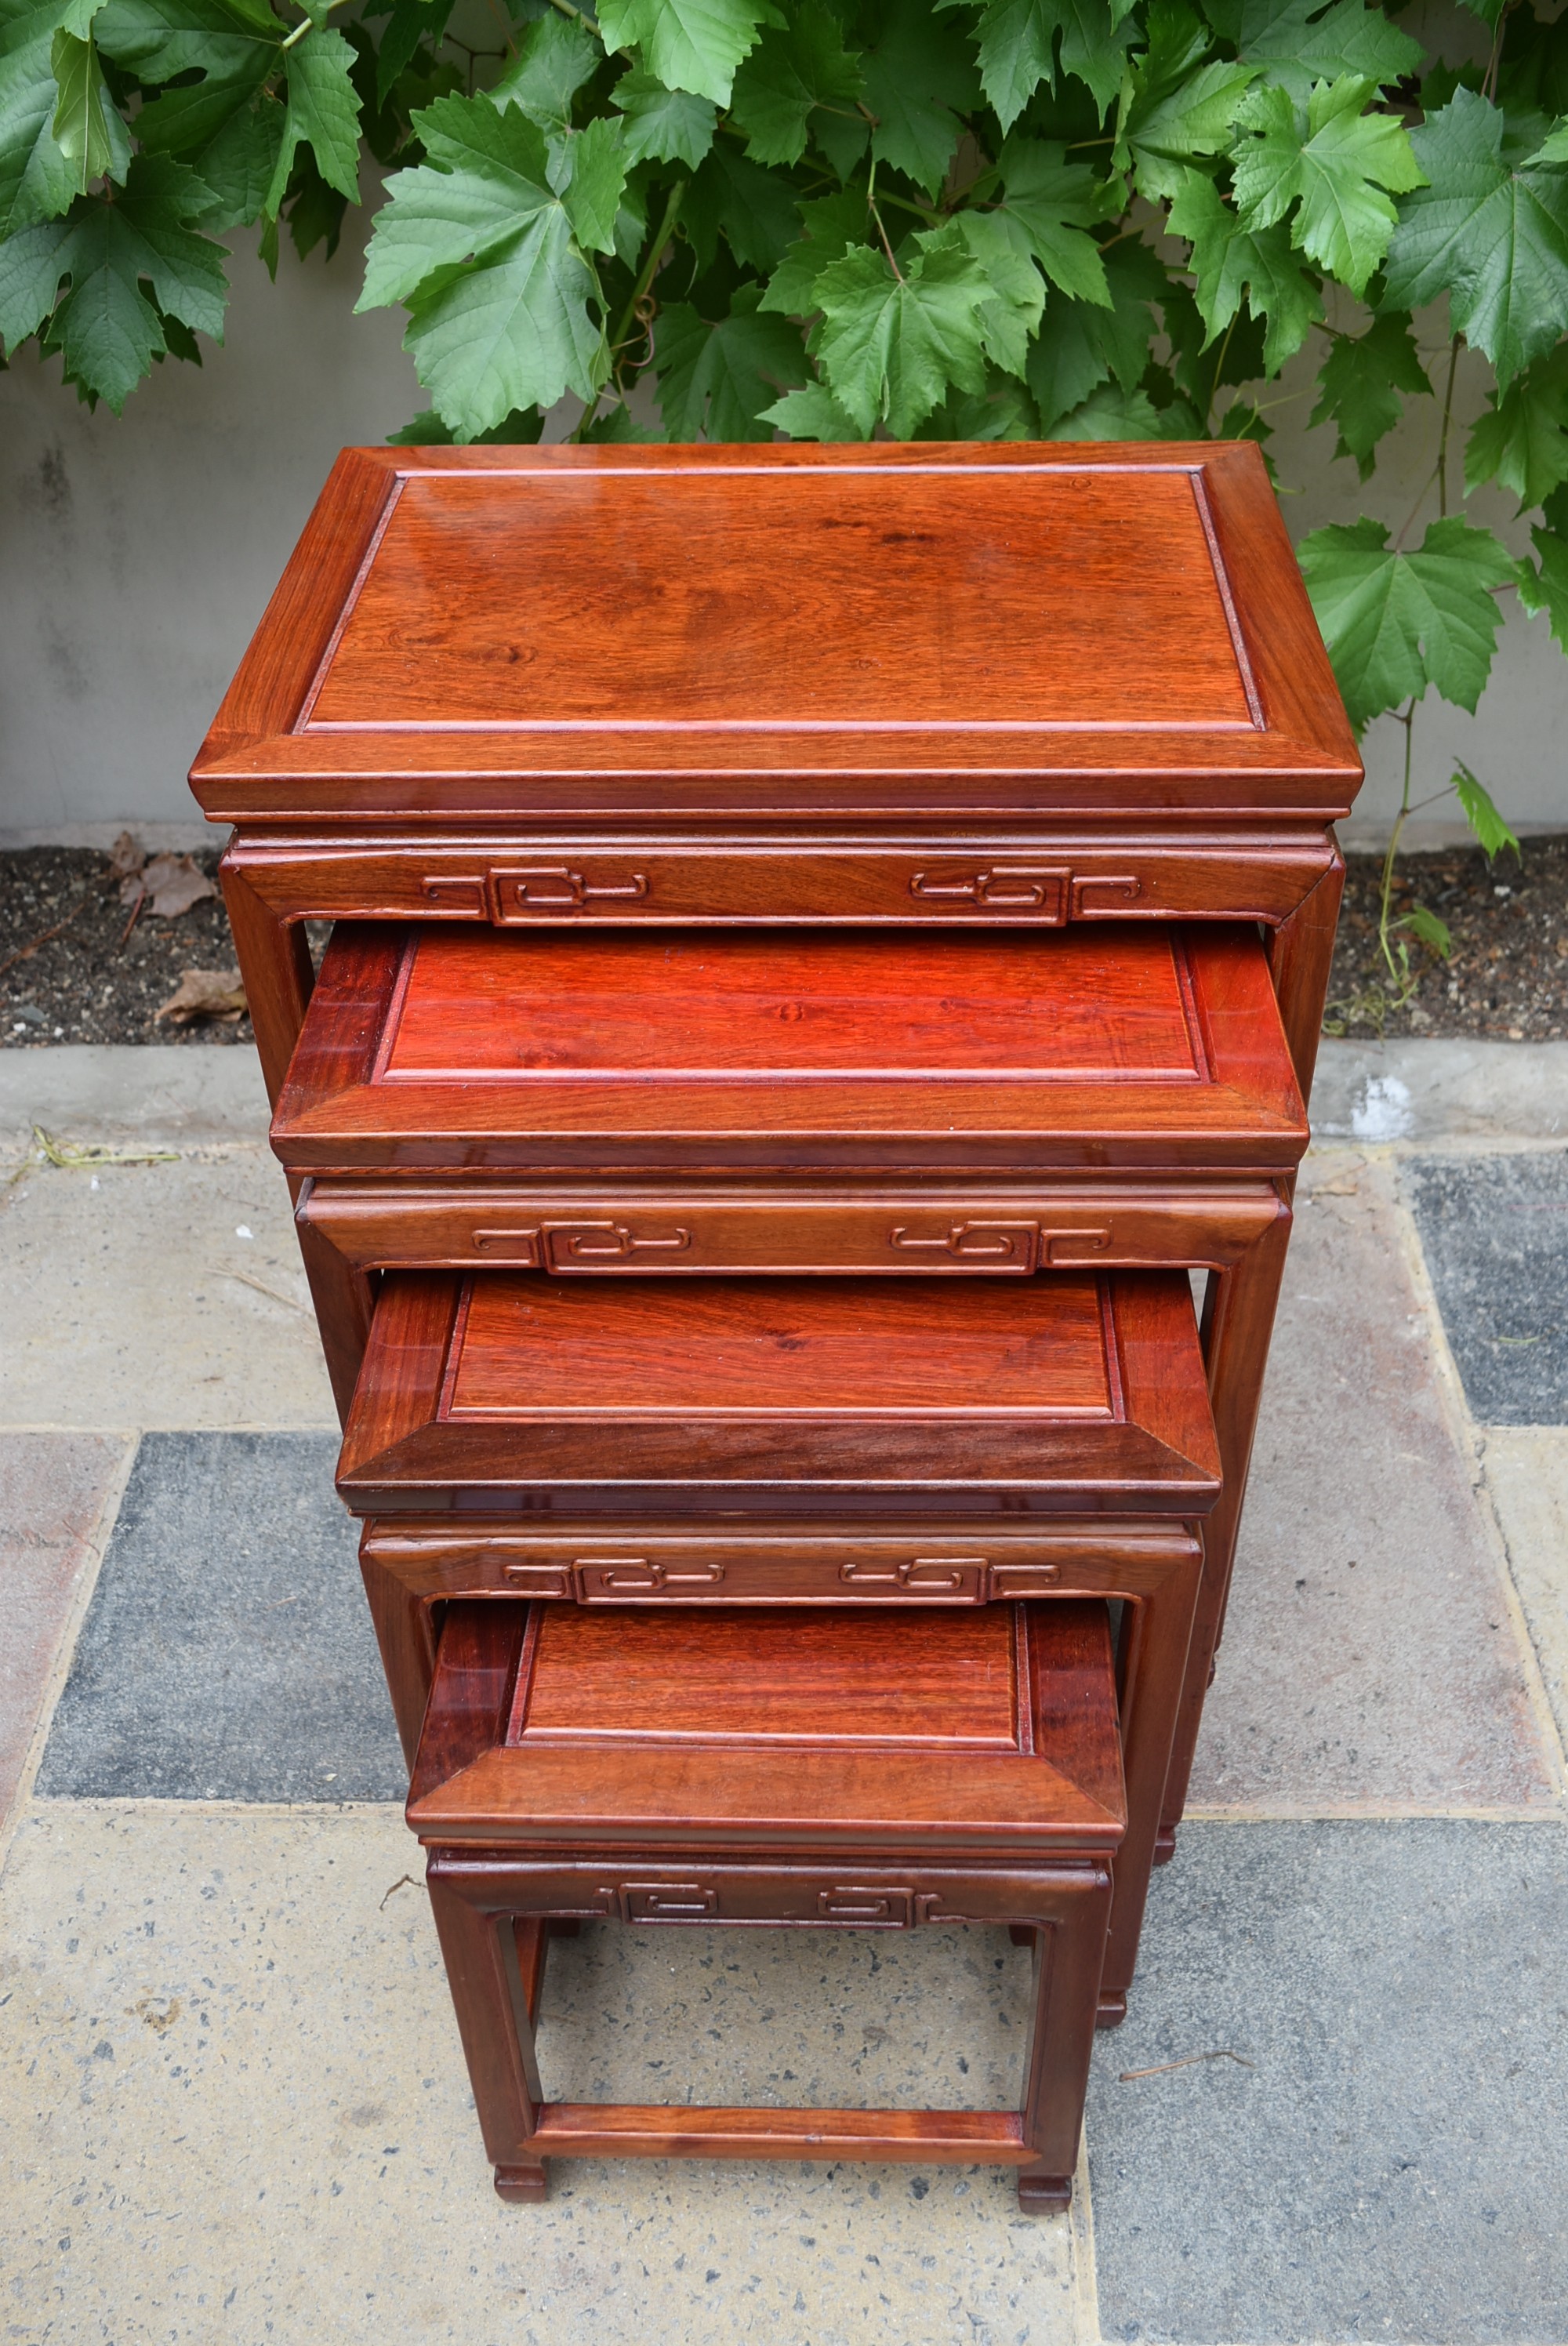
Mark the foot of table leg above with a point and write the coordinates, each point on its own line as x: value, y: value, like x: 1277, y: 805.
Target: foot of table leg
x: 1164, y: 1845
x: 523, y: 2186
x: 1113, y: 2008
x: 1044, y: 2195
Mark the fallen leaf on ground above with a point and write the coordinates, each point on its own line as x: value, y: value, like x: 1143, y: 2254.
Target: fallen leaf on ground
x: 205, y: 994
x: 170, y: 883
x: 72, y: 1155
x: 126, y: 856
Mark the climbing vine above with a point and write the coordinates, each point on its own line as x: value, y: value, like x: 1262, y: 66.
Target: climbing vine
x: 831, y: 218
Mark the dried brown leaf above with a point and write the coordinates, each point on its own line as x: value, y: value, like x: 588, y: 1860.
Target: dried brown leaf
x: 205, y: 994
x: 126, y: 856
x: 173, y: 885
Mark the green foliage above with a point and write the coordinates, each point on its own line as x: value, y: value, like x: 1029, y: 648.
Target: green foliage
x: 831, y: 218
x: 1396, y: 623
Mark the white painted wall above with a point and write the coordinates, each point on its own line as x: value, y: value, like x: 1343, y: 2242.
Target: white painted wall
x: 138, y: 554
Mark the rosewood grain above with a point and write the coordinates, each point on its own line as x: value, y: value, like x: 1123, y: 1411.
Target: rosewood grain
x: 447, y: 1049
x: 841, y: 1396
x: 1112, y: 629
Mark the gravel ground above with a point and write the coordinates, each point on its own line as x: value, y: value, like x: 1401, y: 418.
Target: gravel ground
x: 85, y: 985
x: 1508, y: 976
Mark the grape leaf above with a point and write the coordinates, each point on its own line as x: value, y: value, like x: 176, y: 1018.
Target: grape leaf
x: 717, y: 381
x: 1396, y: 623
x: 597, y: 181
x: 1082, y: 345
x: 485, y: 184
x: 87, y: 126
x: 789, y: 74
x: 1054, y: 203
x: 1494, y: 238
x: 1111, y: 412
x: 107, y: 329
x: 890, y: 346
x: 832, y: 223
x: 1299, y: 42
x: 1017, y: 50
x: 1521, y: 440
x: 1359, y: 387
x: 483, y: 253
x: 411, y: 22
x: 811, y: 413
x: 919, y: 79
x: 1002, y: 251
x: 1174, y: 106
x: 617, y: 428
x: 236, y: 167
x: 162, y: 40
x: 1482, y: 814
x: 692, y: 44
x: 321, y: 111
x: 554, y: 57
x: 515, y: 331
x: 754, y: 208
x: 1002, y: 410
x: 1334, y: 164
x: 1543, y: 591
x: 668, y: 125
x: 37, y: 180
x: 1229, y: 260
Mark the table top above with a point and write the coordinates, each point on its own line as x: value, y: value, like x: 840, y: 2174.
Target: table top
x: 515, y: 1392
x: 785, y: 633
x: 989, y: 1730
x: 1114, y: 1043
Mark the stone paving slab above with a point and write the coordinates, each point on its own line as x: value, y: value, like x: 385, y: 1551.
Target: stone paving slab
x: 235, y: 2108
x: 1371, y: 1655
x: 161, y: 1095
x: 1527, y: 1480
x: 1391, y: 2165
x: 1441, y: 1089
x: 129, y: 1299
x: 227, y: 1653
x: 1494, y: 1234
x: 52, y: 1489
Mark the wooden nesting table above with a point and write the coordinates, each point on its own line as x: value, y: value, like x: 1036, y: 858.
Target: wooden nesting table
x: 826, y: 942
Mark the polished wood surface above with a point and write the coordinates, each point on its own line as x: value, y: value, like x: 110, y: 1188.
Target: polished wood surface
x: 679, y: 631
x: 1043, y: 828
x: 785, y: 1771
x: 695, y: 1226
x: 460, y: 1048
x: 841, y: 1395
x: 414, y: 1567
x: 977, y: 1731
x: 1045, y: 877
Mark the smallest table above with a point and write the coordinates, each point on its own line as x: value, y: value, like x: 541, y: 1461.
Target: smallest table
x: 788, y: 1768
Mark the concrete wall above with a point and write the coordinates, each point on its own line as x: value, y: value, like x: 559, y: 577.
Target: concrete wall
x: 139, y: 553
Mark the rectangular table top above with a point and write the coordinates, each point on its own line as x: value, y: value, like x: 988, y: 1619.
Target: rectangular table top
x: 1126, y: 1044
x: 987, y: 1732
x: 1074, y: 1394
x: 785, y: 632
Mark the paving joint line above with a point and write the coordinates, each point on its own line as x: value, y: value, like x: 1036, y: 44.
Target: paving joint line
x: 1469, y: 1441
x: 82, y: 1592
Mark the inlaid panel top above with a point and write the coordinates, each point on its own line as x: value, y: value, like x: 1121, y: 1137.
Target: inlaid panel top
x: 784, y: 630
x: 457, y: 1048
x: 1066, y: 1394
x: 986, y: 1731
